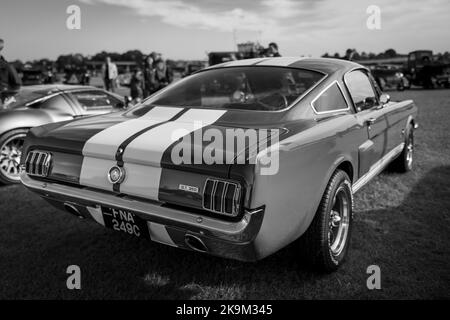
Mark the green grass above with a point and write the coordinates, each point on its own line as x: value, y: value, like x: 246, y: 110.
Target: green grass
x: 402, y: 225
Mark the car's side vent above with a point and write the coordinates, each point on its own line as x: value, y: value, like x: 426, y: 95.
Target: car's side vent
x: 38, y: 163
x: 223, y: 197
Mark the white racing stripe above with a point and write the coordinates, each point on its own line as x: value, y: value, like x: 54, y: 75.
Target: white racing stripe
x: 148, y: 148
x: 94, y: 173
x: 158, y: 233
x: 105, y: 143
x: 142, y: 157
x: 97, y: 215
x: 282, y: 61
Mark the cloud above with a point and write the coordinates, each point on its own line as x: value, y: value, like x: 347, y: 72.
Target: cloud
x: 266, y: 16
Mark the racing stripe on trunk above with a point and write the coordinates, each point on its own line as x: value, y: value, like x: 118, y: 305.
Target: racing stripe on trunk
x: 100, y: 150
x: 142, y: 157
x: 123, y: 145
x: 104, y: 144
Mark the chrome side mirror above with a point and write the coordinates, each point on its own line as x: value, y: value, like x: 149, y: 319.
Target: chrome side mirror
x: 384, y: 99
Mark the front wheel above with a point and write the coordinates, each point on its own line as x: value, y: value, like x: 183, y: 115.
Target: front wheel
x: 325, y: 243
x: 11, y: 144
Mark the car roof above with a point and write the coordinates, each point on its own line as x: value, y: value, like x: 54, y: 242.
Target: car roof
x: 324, y: 65
x: 54, y: 88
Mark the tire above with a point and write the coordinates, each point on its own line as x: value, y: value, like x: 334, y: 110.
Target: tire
x: 404, y: 162
x: 11, y: 144
x: 325, y: 244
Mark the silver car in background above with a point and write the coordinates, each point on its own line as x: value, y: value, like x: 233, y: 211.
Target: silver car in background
x: 43, y: 104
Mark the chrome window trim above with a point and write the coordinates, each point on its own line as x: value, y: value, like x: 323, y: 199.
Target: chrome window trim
x: 322, y: 92
x: 42, y: 99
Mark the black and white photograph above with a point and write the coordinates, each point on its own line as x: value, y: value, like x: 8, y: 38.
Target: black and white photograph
x: 223, y: 156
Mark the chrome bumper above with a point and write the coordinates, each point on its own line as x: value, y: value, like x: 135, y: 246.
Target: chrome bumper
x: 223, y: 238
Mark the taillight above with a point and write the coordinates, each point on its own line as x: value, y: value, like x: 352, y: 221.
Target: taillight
x: 38, y: 163
x: 222, y: 197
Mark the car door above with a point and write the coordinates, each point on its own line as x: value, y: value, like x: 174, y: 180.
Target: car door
x: 370, y: 116
x: 96, y: 102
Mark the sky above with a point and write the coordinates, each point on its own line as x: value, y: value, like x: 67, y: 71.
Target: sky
x: 188, y: 29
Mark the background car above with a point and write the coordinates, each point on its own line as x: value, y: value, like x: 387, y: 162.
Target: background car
x: 390, y: 77
x: 38, y: 105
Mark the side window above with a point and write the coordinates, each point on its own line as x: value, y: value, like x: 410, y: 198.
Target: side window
x: 361, y: 90
x: 57, y: 103
x: 93, y: 100
x: 330, y: 100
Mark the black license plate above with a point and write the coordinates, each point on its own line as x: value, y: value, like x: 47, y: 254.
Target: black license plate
x: 126, y: 222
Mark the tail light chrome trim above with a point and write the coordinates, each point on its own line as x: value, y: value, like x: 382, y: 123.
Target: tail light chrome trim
x: 38, y: 163
x: 222, y: 197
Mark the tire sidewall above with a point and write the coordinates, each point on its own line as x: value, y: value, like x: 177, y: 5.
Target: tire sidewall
x: 344, y: 181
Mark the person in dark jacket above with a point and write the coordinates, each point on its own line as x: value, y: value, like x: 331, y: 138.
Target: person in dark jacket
x: 149, y: 86
x: 163, y: 74
x: 273, y: 50
x: 9, y: 80
x: 136, y: 86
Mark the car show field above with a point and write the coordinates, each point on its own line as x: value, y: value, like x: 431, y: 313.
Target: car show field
x: 402, y: 225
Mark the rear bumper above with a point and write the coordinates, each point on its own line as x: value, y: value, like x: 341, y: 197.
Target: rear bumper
x: 166, y: 225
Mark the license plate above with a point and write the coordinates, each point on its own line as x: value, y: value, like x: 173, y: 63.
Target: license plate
x: 126, y: 222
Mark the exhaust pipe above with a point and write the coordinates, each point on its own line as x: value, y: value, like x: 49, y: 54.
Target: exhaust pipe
x: 195, y: 243
x: 72, y: 209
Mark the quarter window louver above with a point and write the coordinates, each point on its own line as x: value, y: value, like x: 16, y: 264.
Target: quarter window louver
x: 37, y: 163
x: 222, y: 197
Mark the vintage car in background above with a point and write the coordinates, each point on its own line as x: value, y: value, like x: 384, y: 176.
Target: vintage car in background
x: 331, y: 131
x: 425, y: 70
x: 41, y: 104
x: 390, y: 77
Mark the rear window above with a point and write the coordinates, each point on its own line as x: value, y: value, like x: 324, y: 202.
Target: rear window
x: 245, y: 88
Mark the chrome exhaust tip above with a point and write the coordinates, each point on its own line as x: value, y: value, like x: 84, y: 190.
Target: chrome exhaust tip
x: 195, y: 243
x: 72, y: 209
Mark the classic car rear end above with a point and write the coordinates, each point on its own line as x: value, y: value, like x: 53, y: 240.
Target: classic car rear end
x: 238, y: 160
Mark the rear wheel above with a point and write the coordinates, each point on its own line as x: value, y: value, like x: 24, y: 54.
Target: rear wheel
x: 11, y: 144
x: 325, y: 243
x: 404, y: 162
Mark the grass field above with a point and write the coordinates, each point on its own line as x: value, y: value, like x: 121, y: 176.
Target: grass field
x: 402, y: 225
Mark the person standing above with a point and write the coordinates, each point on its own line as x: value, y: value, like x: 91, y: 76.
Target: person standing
x: 110, y: 74
x: 273, y: 50
x: 9, y: 80
x: 136, y: 86
x: 149, y: 84
x: 163, y: 74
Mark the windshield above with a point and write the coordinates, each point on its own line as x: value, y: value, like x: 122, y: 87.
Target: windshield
x: 245, y: 88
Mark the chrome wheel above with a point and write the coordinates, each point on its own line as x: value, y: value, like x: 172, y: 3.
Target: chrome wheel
x: 339, y: 222
x: 10, y: 154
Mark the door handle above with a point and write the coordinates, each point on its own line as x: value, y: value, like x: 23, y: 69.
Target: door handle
x: 371, y: 121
